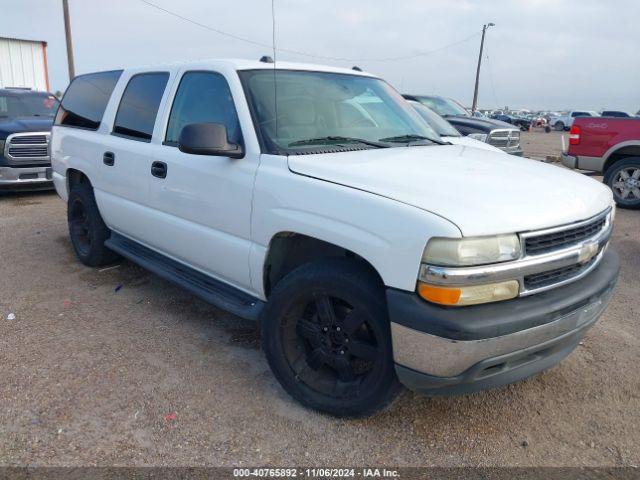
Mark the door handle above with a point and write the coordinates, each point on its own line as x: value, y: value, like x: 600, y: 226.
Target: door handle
x: 159, y: 169
x: 108, y: 159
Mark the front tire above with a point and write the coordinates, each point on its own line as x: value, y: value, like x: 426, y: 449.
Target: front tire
x: 623, y: 177
x: 327, y: 338
x: 87, y: 230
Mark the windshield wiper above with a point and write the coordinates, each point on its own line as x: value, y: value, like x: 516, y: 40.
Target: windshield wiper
x: 333, y: 138
x: 412, y: 138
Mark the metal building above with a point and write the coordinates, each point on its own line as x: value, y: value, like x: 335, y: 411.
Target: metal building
x: 23, y: 63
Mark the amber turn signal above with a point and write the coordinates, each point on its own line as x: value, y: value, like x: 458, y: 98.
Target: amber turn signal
x: 468, y: 295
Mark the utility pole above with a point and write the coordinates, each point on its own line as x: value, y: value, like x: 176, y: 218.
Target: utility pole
x: 475, y: 91
x: 67, y: 34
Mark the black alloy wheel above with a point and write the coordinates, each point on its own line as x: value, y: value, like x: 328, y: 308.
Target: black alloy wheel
x: 327, y: 337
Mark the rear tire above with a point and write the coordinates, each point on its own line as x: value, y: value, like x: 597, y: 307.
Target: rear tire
x: 558, y: 126
x: 327, y: 338
x: 87, y: 230
x: 623, y: 178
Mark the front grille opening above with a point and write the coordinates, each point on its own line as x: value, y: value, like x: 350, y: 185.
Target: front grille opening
x: 564, y: 238
x: 504, y: 138
x: 28, y: 152
x: 28, y: 176
x: 29, y: 139
x: 544, y: 279
x: 492, y: 370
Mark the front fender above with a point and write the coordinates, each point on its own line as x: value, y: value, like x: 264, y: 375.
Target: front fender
x: 389, y: 234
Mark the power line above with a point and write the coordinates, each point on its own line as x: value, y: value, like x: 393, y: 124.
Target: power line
x: 301, y: 53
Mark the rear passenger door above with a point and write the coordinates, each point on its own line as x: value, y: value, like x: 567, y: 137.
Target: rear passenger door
x: 200, y: 211
x: 126, y: 155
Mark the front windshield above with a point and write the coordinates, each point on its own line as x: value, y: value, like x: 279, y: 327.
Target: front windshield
x: 439, y: 124
x: 316, y: 110
x: 26, y: 105
x: 443, y: 106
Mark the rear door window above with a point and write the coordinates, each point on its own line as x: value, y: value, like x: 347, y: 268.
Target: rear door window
x: 139, y: 105
x: 86, y: 99
x: 203, y: 97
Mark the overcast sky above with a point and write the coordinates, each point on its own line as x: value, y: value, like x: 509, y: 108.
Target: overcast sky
x: 556, y: 54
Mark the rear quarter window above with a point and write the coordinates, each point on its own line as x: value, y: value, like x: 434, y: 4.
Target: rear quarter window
x: 86, y: 99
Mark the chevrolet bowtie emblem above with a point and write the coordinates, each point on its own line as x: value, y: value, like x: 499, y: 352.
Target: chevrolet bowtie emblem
x: 588, y: 251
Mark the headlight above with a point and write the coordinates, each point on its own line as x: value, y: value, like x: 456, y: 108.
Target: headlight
x: 462, y: 252
x: 478, y: 136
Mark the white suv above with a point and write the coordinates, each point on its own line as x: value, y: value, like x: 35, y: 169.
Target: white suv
x: 318, y: 202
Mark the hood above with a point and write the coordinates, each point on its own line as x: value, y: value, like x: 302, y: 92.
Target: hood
x: 482, y: 124
x: 482, y: 192
x: 472, y: 142
x: 24, y: 124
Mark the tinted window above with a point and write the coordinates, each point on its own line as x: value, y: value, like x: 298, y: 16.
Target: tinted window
x: 28, y: 105
x: 139, y: 105
x: 443, y: 106
x: 203, y: 97
x: 435, y: 121
x: 86, y: 99
x: 614, y: 113
x: 580, y: 114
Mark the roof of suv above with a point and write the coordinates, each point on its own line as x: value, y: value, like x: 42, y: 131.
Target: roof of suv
x: 243, y: 64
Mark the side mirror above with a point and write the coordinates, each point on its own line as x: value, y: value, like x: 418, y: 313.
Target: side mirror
x: 208, y: 139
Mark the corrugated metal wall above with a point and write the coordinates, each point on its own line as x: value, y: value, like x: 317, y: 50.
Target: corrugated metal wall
x: 22, y: 64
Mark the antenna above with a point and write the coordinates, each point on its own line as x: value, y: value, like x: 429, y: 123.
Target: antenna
x: 275, y: 84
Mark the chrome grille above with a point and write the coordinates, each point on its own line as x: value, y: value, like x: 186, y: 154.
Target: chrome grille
x: 29, y: 139
x: 539, y: 244
x: 31, y: 147
x: 552, y: 277
x: 28, y: 152
x: 506, y: 139
x: 588, y: 237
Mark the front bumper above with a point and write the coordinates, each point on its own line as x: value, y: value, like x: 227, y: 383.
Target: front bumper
x: 519, y: 152
x: 460, y: 350
x: 26, y: 178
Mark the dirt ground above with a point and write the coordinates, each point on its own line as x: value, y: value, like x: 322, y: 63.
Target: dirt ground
x: 118, y: 367
x: 539, y: 144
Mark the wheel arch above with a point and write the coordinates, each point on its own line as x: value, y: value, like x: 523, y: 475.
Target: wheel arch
x: 619, y: 152
x: 75, y: 177
x: 289, y: 249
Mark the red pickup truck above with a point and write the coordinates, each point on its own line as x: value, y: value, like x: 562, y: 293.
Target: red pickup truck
x: 610, y: 146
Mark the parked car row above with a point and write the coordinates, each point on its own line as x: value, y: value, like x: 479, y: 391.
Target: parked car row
x: 373, y: 250
x: 494, y: 132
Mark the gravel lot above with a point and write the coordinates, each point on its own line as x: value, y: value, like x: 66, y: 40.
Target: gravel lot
x: 538, y: 144
x: 146, y: 374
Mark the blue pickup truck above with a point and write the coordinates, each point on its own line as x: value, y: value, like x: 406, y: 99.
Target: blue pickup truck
x: 26, y: 117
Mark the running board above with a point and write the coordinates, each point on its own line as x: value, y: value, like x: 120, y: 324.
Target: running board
x: 209, y: 289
